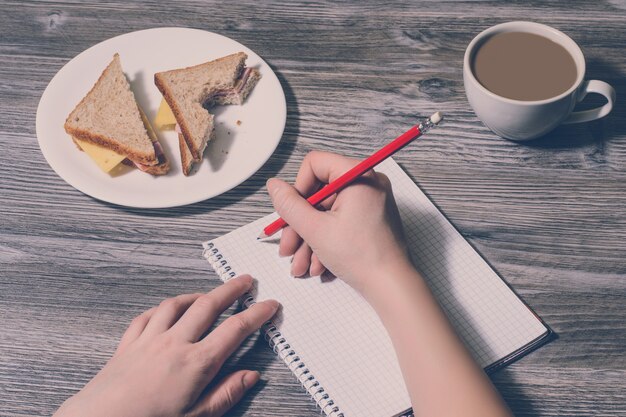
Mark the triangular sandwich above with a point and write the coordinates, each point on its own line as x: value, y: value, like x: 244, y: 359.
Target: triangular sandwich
x: 189, y: 92
x: 108, y: 121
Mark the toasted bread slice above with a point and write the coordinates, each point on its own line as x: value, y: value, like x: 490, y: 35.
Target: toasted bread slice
x: 244, y: 85
x: 190, y: 91
x: 108, y: 116
x: 186, y: 158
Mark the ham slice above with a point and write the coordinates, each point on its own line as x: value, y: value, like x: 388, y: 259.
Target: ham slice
x: 158, y: 150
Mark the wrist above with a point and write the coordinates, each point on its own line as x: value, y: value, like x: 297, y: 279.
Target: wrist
x: 397, y: 276
x: 400, y: 293
x: 82, y: 404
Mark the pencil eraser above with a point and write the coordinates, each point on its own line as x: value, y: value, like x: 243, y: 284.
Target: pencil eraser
x: 436, y: 118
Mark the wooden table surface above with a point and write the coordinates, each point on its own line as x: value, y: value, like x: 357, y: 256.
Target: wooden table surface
x: 549, y: 215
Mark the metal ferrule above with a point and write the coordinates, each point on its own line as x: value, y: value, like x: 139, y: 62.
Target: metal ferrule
x: 425, y: 126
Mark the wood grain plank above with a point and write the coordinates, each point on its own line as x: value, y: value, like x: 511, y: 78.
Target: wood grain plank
x: 548, y: 215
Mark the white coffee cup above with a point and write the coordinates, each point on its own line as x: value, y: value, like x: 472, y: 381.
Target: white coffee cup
x: 524, y: 120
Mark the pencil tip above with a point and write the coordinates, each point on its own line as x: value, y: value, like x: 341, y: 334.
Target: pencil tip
x: 261, y: 236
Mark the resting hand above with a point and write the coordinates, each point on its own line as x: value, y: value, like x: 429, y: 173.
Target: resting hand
x: 163, y: 365
x: 356, y: 233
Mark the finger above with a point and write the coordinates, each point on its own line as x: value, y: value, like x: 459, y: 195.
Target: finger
x: 223, y: 396
x: 294, y: 209
x: 207, y: 308
x: 319, y: 168
x: 167, y: 313
x: 317, y: 268
x: 289, y: 242
x: 306, y: 185
x: 301, y: 260
x: 227, y: 337
x: 383, y: 181
x: 136, y: 327
x: 367, y: 187
x: 322, y: 167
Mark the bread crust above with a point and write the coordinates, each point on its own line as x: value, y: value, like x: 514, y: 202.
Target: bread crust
x: 159, y: 169
x: 158, y: 81
x: 114, y: 146
x: 185, y: 156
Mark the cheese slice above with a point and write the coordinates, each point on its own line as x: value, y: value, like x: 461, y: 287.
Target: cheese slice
x: 164, y: 119
x: 106, y: 159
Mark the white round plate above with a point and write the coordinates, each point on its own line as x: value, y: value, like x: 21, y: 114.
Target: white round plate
x: 246, y: 135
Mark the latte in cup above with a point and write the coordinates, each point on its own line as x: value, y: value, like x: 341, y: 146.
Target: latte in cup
x: 524, y: 66
x: 523, y: 79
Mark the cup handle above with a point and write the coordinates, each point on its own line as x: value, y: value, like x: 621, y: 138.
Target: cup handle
x: 593, y: 86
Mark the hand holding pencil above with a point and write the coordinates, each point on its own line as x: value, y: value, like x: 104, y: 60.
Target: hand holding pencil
x: 357, y: 231
x: 362, y: 167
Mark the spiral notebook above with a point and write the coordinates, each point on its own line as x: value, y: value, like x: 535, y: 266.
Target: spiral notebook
x: 333, y: 341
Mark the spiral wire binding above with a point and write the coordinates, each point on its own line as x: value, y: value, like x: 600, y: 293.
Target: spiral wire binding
x: 275, y: 339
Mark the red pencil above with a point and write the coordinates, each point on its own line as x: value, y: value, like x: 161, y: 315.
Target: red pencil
x: 361, y: 168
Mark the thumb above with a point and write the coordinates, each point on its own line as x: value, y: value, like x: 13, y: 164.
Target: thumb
x: 293, y: 208
x: 225, y: 394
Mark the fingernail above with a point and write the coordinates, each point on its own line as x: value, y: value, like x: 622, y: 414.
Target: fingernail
x: 273, y: 304
x: 247, y: 279
x: 271, y: 185
x: 250, y: 379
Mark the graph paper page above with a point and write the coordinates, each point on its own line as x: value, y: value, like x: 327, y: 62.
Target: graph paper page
x: 338, y: 336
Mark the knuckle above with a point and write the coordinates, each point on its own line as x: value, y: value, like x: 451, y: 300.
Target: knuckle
x: 240, y: 323
x: 316, y: 155
x: 202, y: 358
x: 284, y: 203
x: 208, y: 303
x: 308, y: 158
x: 288, y: 205
x: 352, y: 161
x: 170, y: 305
x: 139, y: 320
x: 164, y: 346
x: 384, y: 180
x: 231, y: 394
